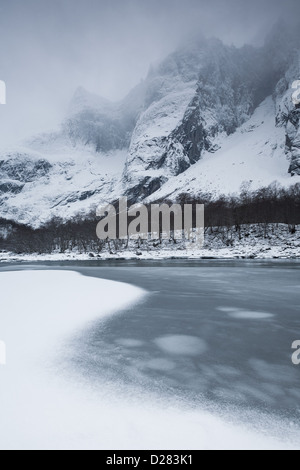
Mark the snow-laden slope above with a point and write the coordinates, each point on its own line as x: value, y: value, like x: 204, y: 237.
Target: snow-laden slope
x: 204, y: 91
x: 70, y: 181
x: 254, y: 155
x: 173, y: 134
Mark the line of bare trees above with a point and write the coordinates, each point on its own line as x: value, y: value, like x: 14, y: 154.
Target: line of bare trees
x: 266, y: 207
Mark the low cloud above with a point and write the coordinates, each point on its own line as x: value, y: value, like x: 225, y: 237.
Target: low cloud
x: 48, y: 48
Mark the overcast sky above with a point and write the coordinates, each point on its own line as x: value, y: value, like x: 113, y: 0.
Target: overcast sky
x: 49, y: 47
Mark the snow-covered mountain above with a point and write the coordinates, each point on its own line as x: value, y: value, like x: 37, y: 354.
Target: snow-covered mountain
x: 207, y: 119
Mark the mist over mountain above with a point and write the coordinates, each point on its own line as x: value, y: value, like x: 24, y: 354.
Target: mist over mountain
x: 209, y: 118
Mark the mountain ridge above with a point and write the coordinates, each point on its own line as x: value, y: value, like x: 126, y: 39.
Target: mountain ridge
x: 182, y: 128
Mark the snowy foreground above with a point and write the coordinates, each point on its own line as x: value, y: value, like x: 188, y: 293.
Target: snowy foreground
x: 46, y: 406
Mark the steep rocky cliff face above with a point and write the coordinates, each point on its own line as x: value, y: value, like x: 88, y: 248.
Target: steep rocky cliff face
x: 196, y: 110
x: 293, y: 141
x: 288, y: 114
x: 210, y: 117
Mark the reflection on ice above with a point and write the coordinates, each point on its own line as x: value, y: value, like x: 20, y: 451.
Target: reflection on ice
x: 249, y: 315
x: 245, y: 314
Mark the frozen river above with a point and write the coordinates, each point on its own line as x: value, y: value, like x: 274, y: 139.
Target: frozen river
x: 209, y: 333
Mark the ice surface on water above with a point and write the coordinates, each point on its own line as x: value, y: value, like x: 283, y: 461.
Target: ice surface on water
x: 245, y: 314
x: 271, y: 371
x: 181, y: 344
x: 161, y: 364
x: 130, y: 343
x: 44, y: 405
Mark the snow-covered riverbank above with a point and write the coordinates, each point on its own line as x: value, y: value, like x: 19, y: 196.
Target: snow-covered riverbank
x: 276, y: 241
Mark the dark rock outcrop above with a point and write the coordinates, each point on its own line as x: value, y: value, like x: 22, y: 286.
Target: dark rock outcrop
x: 293, y: 140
